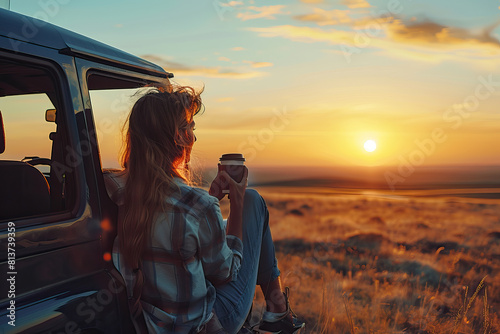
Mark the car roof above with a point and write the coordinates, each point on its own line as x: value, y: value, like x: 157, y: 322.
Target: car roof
x: 27, y: 29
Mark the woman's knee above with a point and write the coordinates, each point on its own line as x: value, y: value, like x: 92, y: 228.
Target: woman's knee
x: 254, y: 208
x: 253, y: 200
x: 252, y: 194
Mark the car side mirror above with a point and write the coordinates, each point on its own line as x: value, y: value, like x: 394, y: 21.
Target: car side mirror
x: 50, y: 115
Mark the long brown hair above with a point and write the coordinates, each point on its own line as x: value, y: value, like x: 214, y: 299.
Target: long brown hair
x: 156, y: 149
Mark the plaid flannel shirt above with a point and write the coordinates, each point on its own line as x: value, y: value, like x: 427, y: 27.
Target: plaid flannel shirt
x: 188, y: 253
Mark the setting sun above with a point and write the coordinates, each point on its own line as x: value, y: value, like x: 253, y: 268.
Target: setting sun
x: 370, y: 145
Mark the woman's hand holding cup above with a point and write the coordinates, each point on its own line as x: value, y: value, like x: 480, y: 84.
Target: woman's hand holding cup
x: 236, y: 189
x: 231, y: 167
x: 236, y: 198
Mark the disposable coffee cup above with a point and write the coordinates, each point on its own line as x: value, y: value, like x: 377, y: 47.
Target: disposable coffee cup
x: 234, y: 165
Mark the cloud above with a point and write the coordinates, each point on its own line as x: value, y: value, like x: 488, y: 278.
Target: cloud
x: 311, y: 1
x: 267, y: 12
x: 224, y: 59
x: 231, y: 4
x: 238, y: 48
x: 202, y: 71
x: 433, y: 57
x: 371, y: 22
x: 258, y: 64
x: 356, y: 3
x: 326, y: 17
x: 423, y: 33
x: 306, y: 34
x: 424, y: 43
x: 433, y: 33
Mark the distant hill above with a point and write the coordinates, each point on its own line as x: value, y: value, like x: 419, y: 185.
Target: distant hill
x: 380, y: 178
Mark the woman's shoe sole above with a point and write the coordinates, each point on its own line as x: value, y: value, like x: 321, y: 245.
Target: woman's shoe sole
x: 261, y: 331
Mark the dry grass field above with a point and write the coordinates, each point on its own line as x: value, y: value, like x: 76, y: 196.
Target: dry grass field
x: 368, y: 263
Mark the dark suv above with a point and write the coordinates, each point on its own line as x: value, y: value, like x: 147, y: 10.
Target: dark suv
x: 57, y: 221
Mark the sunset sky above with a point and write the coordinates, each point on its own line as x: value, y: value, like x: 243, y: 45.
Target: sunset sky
x: 308, y: 82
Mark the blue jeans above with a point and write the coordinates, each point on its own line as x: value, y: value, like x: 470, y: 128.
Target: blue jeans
x: 258, y: 266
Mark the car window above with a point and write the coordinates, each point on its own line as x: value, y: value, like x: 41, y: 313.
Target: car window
x: 35, y: 177
x: 110, y: 108
x: 20, y: 114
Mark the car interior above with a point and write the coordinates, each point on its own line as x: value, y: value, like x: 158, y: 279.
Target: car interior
x: 31, y: 184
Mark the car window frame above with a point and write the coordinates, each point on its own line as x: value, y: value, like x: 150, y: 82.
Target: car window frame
x: 90, y: 68
x: 68, y: 122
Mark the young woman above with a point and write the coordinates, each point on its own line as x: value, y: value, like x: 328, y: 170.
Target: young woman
x: 188, y: 268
